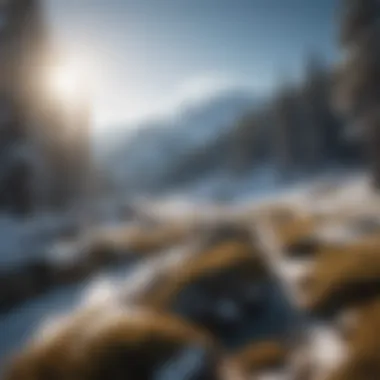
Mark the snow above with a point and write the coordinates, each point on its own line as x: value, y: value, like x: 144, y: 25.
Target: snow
x: 148, y: 272
x: 101, y: 291
x: 157, y: 144
x: 296, y: 270
x: 353, y: 196
x: 22, y: 240
x: 327, y: 349
x: 276, y: 261
x: 18, y: 325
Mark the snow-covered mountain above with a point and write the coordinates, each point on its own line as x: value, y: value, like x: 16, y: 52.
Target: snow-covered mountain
x: 142, y: 159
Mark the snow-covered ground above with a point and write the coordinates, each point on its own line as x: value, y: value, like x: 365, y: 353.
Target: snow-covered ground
x: 21, y: 323
x: 22, y: 240
x: 348, y: 193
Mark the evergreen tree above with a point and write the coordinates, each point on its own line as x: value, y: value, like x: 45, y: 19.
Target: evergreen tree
x: 358, y: 94
x: 286, y: 132
x: 243, y: 143
x: 36, y: 122
x: 16, y: 174
x: 323, y: 137
x: 314, y: 109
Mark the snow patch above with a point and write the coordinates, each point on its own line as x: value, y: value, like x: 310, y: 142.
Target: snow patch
x: 327, y: 349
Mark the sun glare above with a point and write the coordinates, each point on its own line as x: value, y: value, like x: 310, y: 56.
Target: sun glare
x: 70, y: 81
x: 65, y: 82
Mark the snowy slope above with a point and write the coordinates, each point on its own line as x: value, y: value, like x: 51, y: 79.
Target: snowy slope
x: 157, y: 145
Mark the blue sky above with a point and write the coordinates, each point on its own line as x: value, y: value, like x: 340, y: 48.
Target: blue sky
x: 146, y: 55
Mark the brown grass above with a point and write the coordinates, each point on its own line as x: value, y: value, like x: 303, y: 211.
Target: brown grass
x: 48, y: 357
x: 365, y: 339
x: 228, y: 256
x: 344, y: 274
x: 278, y: 213
x: 296, y: 234
x: 261, y: 356
x: 159, y: 238
x: 129, y: 349
x: 212, y: 234
x: 89, y: 347
x: 364, y: 343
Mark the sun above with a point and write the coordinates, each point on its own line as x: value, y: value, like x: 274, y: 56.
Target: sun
x: 68, y: 82
x: 65, y: 82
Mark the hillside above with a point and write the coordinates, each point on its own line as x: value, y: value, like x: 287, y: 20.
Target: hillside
x: 162, y: 149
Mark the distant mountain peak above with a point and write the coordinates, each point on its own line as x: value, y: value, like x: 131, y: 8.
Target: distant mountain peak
x: 154, y: 146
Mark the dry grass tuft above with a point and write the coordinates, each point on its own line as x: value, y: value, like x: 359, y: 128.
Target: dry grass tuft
x: 297, y: 235
x: 343, y: 275
x: 101, y: 346
x: 230, y: 256
x: 364, y: 343
x: 261, y: 356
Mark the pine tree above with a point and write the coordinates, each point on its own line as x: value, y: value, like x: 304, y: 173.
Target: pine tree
x: 35, y: 122
x: 323, y: 140
x: 358, y: 93
x: 16, y: 177
x: 60, y: 141
x: 287, y: 144
x: 242, y: 144
x: 313, y: 107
